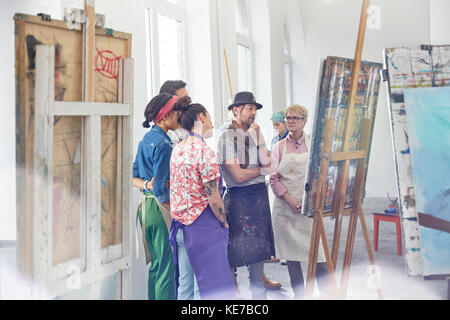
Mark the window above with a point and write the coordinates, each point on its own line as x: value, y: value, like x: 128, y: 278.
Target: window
x: 166, y: 48
x: 287, y: 68
x: 245, y: 70
x: 244, y: 47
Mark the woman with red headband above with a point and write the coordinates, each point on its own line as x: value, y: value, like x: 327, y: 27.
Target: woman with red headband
x: 151, y: 172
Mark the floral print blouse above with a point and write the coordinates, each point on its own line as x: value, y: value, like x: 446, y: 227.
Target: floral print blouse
x: 192, y: 165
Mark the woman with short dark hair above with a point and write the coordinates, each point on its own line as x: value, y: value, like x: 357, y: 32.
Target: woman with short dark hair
x: 199, y: 232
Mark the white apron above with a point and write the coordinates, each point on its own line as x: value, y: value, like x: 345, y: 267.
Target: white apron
x: 292, y: 232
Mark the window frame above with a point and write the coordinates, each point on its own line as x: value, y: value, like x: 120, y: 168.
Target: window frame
x: 152, y: 9
x: 246, y: 41
x: 287, y: 61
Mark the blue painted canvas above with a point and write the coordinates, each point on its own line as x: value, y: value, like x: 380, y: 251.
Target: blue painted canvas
x: 428, y: 116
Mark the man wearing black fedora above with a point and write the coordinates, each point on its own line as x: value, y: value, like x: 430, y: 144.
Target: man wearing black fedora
x: 245, y: 160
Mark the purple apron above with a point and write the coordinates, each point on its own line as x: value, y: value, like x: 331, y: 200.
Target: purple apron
x: 206, y: 245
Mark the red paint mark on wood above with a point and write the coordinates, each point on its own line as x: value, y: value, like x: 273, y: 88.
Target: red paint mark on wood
x: 107, y: 64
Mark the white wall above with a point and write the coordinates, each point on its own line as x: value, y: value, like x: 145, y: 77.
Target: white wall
x: 261, y: 26
x: 439, y: 22
x: 294, y: 21
x: 330, y: 28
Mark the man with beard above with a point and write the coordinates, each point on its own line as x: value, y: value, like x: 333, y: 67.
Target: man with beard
x: 245, y: 160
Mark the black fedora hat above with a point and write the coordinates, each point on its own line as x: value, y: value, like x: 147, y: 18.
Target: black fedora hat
x: 244, y: 97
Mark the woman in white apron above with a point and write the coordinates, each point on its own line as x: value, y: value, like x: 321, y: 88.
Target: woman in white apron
x: 292, y: 230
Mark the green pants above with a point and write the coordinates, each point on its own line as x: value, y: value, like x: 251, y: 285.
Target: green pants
x: 161, y: 274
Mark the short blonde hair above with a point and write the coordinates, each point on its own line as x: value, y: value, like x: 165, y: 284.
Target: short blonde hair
x: 298, y: 109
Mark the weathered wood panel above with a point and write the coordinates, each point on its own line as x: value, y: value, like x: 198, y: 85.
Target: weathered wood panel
x: 67, y: 134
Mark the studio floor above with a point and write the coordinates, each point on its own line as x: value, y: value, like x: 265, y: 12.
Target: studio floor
x: 395, y: 283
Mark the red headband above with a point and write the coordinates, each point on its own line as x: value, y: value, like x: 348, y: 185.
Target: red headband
x: 166, y: 109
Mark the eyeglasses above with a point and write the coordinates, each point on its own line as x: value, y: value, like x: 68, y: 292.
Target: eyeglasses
x: 293, y: 119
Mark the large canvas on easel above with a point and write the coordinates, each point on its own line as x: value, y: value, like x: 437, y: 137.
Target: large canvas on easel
x: 68, y: 222
x: 413, y: 67
x: 332, y: 103
x: 428, y: 116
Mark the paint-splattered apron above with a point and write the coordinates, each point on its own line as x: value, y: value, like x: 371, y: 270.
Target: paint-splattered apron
x: 248, y: 215
x: 292, y: 232
x: 206, y: 246
x: 165, y: 212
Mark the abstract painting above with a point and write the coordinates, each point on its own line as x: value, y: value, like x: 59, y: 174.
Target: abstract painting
x: 332, y: 103
x: 428, y: 116
x: 411, y: 67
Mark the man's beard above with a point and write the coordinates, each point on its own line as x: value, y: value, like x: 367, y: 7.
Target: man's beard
x: 249, y: 122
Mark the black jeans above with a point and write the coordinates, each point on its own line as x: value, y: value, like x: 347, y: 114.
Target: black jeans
x: 296, y: 277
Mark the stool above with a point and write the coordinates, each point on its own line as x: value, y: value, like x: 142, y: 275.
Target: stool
x: 381, y: 216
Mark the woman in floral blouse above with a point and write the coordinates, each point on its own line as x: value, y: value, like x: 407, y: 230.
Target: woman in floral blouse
x: 199, y: 232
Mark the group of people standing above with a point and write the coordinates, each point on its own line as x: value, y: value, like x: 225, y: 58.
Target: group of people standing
x: 196, y: 231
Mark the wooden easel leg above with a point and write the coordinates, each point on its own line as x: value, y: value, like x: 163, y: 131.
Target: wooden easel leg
x: 336, y: 239
x: 348, y: 252
x: 312, y: 263
x: 332, y: 287
x: 369, y: 250
x: 319, y: 233
x: 341, y: 187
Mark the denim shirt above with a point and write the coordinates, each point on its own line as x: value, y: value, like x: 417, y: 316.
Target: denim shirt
x: 153, y: 160
x: 278, y: 138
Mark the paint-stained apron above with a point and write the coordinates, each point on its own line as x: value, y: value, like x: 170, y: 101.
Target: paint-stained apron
x: 165, y: 212
x: 292, y: 232
x: 248, y: 215
x: 206, y: 246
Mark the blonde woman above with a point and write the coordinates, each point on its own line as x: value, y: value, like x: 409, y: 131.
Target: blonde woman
x: 292, y: 231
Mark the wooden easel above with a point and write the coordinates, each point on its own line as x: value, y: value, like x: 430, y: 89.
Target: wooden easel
x: 327, y: 156
x: 35, y: 246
